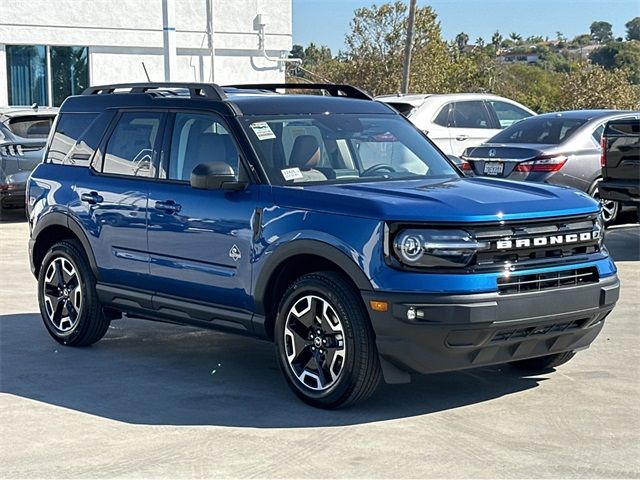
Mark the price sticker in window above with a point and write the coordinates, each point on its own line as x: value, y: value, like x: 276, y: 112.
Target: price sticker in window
x: 262, y: 130
x: 291, y: 173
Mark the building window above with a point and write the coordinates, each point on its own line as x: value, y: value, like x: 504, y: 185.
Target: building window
x: 46, y: 75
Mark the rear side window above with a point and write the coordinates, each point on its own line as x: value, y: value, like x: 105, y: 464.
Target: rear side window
x: 70, y: 128
x: 130, y: 149
x: 470, y: 115
x: 541, y: 130
x: 31, y: 126
x: 507, y: 113
x: 442, y: 118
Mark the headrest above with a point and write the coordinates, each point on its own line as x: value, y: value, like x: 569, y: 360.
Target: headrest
x: 305, y: 153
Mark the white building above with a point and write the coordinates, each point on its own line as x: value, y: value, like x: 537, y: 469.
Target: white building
x: 50, y: 49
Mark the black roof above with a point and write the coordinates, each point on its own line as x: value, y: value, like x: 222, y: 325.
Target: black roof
x: 258, y: 99
x: 582, y: 114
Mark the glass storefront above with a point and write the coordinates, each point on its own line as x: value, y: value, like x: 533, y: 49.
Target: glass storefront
x: 45, y: 75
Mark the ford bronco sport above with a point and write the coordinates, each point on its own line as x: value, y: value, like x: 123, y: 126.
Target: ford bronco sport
x: 327, y: 224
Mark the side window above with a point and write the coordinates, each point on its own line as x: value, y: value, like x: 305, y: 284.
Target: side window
x: 471, y: 114
x: 442, y: 118
x: 130, y: 150
x: 597, y: 134
x: 199, y: 138
x: 507, y: 113
x: 69, y: 129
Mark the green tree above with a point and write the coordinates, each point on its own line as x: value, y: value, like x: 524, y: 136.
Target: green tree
x: 596, y: 87
x: 516, y: 37
x: 496, y: 39
x: 462, y: 40
x: 297, y: 52
x: 601, y: 32
x: 619, y: 55
x: 374, y: 52
x: 581, y: 40
x: 633, y: 29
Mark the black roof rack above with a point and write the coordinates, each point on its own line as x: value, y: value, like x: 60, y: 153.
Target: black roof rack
x: 335, y: 90
x: 206, y: 90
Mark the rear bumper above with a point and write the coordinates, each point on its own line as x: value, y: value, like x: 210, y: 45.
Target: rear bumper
x: 465, y: 331
x: 14, y: 196
x: 620, y: 191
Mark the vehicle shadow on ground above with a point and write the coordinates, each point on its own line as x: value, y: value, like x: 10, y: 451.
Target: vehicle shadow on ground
x: 145, y: 372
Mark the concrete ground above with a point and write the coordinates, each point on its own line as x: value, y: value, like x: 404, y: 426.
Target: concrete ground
x: 155, y: 400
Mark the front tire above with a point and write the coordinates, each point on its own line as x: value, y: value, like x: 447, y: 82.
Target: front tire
x: 325, y: 343
x: 67, y: 296
x: 543, y: 364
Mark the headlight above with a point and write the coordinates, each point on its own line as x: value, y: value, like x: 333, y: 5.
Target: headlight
x: 435, y: 248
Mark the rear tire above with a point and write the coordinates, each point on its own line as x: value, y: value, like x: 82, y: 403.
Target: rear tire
x: 610, y: 208
x: 543, y: 364
x: 325, y: 343
x: 67, y: 296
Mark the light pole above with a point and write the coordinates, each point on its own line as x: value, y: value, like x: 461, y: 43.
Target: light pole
x: 169, y: 38
x: 406, y: 70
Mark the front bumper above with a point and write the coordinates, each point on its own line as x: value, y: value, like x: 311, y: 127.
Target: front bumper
x: 465, y: 331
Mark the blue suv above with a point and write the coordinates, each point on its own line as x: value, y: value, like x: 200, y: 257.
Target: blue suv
x: 327, y: 224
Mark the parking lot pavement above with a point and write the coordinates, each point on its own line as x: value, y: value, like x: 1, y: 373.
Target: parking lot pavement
x: 158, y: 400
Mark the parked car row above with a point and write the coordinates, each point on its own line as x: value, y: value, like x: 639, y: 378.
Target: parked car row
x: 491, y: 136
x: 23, y: 135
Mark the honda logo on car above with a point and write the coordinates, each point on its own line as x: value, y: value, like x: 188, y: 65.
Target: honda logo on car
x: 550, y: 240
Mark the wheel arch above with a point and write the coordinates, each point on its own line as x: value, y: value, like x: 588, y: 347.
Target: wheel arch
x: 292, y: 260
x: 51, y: 229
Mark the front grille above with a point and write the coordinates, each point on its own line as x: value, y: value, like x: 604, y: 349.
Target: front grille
x: 538, y: 330
x: 497, y: 257
x: 545, y: 281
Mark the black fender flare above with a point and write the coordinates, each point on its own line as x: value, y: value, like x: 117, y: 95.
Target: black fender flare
x: 305, y: 247
x: 64, y: 220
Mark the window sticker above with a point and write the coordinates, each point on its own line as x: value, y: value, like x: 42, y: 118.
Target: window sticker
x: 262, y: 130
x: 291, y: 173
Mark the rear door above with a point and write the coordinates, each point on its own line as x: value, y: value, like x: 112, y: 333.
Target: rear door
x: 111, y: 200
x: 470, y: 124
x: 200, y: 240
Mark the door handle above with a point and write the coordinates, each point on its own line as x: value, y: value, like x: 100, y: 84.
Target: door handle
x: 91, y: 198
x: 462, y: 138
x: 169, y: 206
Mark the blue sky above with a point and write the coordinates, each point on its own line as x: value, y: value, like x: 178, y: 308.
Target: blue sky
x: 327, y: 21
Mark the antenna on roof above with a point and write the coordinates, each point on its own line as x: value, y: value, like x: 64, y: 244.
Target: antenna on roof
x: 144, y: 67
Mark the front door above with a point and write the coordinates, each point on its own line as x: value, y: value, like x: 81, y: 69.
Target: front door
x: 200, y: 241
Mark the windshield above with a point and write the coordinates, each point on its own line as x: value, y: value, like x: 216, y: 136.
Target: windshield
x: 342, y: 148
x: 543, y: 130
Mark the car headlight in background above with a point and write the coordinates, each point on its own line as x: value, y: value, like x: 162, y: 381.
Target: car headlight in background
x: 435, y: 248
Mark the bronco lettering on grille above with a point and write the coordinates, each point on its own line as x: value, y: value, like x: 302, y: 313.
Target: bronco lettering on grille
x: 549, y: 240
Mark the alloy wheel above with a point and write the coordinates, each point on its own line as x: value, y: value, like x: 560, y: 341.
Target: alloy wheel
x: 609, y: 207
x: 62, y: 295
x: 314, y: 342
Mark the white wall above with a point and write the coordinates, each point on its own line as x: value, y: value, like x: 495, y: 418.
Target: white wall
x: 124, y: 33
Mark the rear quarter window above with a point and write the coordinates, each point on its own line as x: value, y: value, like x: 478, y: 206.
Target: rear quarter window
x: 77, y: 137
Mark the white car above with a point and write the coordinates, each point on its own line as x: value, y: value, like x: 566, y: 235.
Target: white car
x: 457, y: 121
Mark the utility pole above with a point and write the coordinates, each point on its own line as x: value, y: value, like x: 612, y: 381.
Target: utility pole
x: 406, y: 70
x: 169, y: 38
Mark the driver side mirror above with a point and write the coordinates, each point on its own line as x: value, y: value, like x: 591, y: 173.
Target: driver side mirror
x: 215, y: 176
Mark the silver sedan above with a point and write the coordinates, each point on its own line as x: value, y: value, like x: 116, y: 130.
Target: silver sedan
x: 560, y: 148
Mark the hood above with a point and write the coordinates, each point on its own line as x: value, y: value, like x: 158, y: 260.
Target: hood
x: 476, y: 199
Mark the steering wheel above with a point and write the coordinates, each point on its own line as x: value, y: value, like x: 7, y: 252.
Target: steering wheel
x: 377, y: 167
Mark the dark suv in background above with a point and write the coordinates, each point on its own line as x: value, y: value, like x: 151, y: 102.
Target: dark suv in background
x: 328, y: 224
x: 620, y: 162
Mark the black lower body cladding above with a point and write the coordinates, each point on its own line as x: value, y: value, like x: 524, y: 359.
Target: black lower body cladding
x: 428, y: 333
